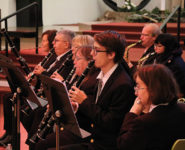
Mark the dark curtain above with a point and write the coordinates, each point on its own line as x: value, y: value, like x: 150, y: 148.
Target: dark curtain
x: 27, y: 17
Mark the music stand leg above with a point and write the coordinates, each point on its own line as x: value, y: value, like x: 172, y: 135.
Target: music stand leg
x: 57, y: 118
x: 57, y: 137
x: 16, y: 119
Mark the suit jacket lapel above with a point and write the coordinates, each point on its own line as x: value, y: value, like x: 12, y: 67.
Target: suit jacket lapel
x: 108, y: 84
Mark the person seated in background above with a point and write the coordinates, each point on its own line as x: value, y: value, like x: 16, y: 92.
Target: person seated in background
x: 46, y: 48
x: 78, y: 41
x: 47, y: 40
x: 155, y: 120
x: 62, y: 48
x: 169, y: 53
x: 149, y: 33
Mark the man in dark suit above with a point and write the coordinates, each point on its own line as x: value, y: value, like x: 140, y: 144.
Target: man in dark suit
x: 148, y: 35
x: 62, y: 46
x: 105, y: 110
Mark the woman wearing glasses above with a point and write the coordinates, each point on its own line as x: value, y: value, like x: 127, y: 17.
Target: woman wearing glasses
x: 155, y: 120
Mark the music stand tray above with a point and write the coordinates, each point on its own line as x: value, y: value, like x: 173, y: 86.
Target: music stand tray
x: 57, y: 96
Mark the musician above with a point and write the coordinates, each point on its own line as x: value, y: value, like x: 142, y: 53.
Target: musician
x: 148, y: 35
x: 78, y: 40
x: 156, y: 120
x: 168, y: 52
x: 47, y: 40
x: 102, y: 111
x: 62, y: 46
x: 46, y: 47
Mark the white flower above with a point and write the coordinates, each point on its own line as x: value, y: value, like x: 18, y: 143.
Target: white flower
x: 128, y: 7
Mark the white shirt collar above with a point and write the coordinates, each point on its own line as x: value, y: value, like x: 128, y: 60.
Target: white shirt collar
x: 58, y: 57
x: 152, y: 106
x: 106, y: 76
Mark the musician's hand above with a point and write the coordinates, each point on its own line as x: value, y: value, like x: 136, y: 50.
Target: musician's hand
x: 77, y: 95
x: 29, y: 75
x: 137, y: 107
x: 75, y: 106
x: 47, y: 110
x: 38, y: 70
x: 57, y: 76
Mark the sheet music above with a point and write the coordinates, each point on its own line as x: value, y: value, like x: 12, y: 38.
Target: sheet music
x: 33, y: 105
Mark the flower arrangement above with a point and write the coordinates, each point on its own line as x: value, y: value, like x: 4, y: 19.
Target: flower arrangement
x: 128, y: 6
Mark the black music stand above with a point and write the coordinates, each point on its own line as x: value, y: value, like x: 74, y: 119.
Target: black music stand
x: 5, y: 59
x: 20, y: 88
x: 59, y: 104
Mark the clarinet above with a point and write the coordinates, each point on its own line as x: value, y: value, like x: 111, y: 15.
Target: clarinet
x: 26, y: 108
x: 84, y: 74
x: 43, y: 63
x: 69, y: 77
x: 65, y: 63
x: 14, y: 50
x: 35, y: 138
x: 41, y: 134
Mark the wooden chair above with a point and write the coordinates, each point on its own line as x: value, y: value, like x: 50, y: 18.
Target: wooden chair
x: 179, y: 145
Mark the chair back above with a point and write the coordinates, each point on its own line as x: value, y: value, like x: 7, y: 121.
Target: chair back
x: 181, y: 100
x: 179, y: 145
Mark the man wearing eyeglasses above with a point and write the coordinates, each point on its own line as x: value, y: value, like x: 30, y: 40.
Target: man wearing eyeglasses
x: 62, y: 46
x: 105, y: 110
x: 148, y: 35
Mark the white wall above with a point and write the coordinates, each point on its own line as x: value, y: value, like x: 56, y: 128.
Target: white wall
x: 71, y: 11
x: 155, y: 3
x: 8, y: 7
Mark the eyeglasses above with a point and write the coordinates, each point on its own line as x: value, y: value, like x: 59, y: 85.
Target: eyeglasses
x: 55, y: 41
x: 78, y: 58
x: 142, y: 34
x: 136, y: 88
x: 96, y: 50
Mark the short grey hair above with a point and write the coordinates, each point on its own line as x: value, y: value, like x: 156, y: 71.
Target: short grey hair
x: 69, y: 35
x: 155, y: 28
